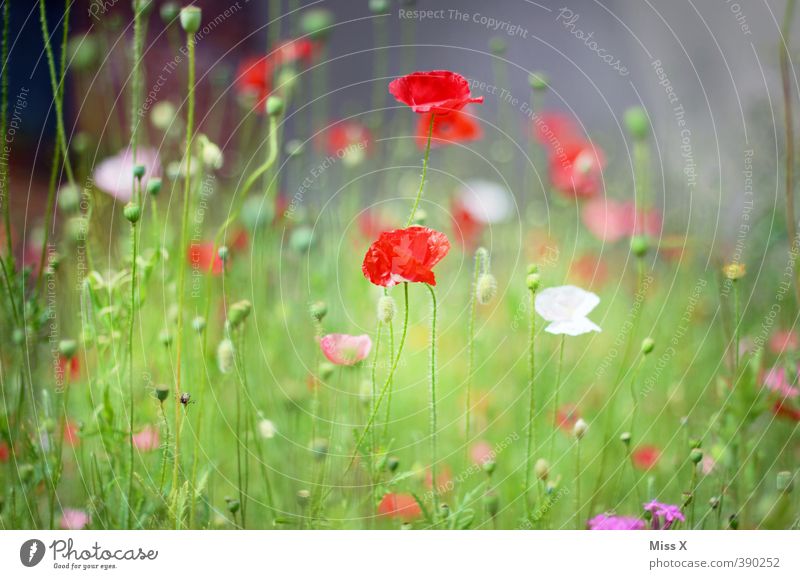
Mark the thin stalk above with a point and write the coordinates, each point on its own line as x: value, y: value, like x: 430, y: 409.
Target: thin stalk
x: 555, y: 398
x: 432, y: 409
x: 424, y: 172
x: 5, y: 190
x: 531, y: 402
x: 190, y: 42
x: 388, y: 414
x: 694, y: 495
x: 373, y: 396
x: 131, y: 327
x: 471, y: 354
x: 577, y: 483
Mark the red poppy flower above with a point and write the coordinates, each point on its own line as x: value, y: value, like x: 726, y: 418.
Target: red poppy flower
x: 468, y: 229
x: 578, y: 170
x: 782, y: 409
x: 4, y: 452
x: 399, y: 506
x: 371, y: 224
x: 71, y: 437
x: 437, y: 91
x: 346, y: 137
x: 784, y: 341
x: 589, y: 270
x: 254, y: 78
x: 567, y: 416
x: 64, y: 365
x: 458, y: 127
x: 481, y: 452
x: 646, y: 457
x: 202, y: 257
x: 294, y: 51
x: 405, y: 255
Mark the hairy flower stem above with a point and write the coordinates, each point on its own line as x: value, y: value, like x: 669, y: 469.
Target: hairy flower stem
x: 388, y: 414
x: 386, y: 383
x: 577, y: 484
x: 432, y: 410
x: 555, y: 398
x: 693, y: 490
x: 424, y: 173
x: 788, y: 124
x: 374, y: 410
x: 131, y: 326
x: 471, y: 353
x: 187, y: 197
x: 531, y: 442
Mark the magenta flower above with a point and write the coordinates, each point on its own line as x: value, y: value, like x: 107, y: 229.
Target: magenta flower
x: 74, y: 519
x: 345, y: 350
x: 777, y: 381
x: 147, y: 439
x: 114, y: 175
x: 604, y: 522
x: 659, y: 511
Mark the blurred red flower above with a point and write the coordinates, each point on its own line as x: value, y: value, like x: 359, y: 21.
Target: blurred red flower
x: 457, y: 127
x: 254, y: 75
x: 782, y: 409
x: 71, y: 437
x: 4, y: 452
x: 610, y: 220
x: 64, y: 365
x: 646, y: 457
x: 481, y: 452
x: 566, y: 416
x: 589, y: 270
x: 202, y: 257
x: 399, y: 506
x: 344, y: 137
x: 436, y: 91
x: 405, y: 255
x: 783, y: 341
x: 444, y: 479
x: 467, y: 229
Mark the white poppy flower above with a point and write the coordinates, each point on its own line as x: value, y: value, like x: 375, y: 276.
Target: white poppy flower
x: 485, y: 201
x: 566, y: 308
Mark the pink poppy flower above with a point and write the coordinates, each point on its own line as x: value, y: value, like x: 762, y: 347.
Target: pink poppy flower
x: 777, y: 380
x: 114, y: 175
x: 147, y: 439
x: 345, y: 350
x: 707, y: 465
x: 784, y: 341
x: 481, y: 452
x: 611, y: 220
x: 74, y: 519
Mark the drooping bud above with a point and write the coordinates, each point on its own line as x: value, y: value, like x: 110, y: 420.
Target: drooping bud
x: 489, y: 467
x: 541, y: 469
x: 238, y: 312
x: 486, y: 288
x: 647, y: 345
x: 580, y: 428
x: 226, y: 356
x: 318, y: 311
x: 625, y: 438
x: 392, y: 463
x: 386, y: 309
x: 68, y: 348
x: 232, y: 504
x: 191, y: 16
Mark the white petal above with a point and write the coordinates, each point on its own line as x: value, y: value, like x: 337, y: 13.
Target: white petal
x: 574, y: 327
x: 486, y: 201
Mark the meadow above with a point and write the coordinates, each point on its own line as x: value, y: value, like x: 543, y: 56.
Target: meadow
x: 244, y: 307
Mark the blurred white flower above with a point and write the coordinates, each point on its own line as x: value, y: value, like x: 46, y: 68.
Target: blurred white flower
x: 566, y: 308
x: 485, y: 201
x: 266, y: 428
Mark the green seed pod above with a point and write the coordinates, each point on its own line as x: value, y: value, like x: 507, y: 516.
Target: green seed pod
x: 138, y: 171
x: 420, y: 217
x: 132, y: 212
x: 580, y: 428
x: 647, y: 345
x: 785, y: 481
x: 538, y: 81
x: 486, y: 288
x: 326, y: 370
x: 639, y: 245
x: 386, y: 309
x: 541, y: 469
x: 303, y: 497
x: 274, y: 106
x: 392, y: 463
x: 68, y: 348
x: 233, y: 504
x: 154, y: 186
x: 191, y: 16
x: 497, y: 45
x: 169, y: 11
x: 226, y: 356
x: 162, y: 392
x: 69, y: 198
x: 533, y: 268
x: 533, y: 281
x: 165, y: 337
x: 320, y: 447
x: 489, y: 467
x: 637, y: 123
x: 223, y: 253
x: 316, y: 23
x: 82, y: 52
x: 239, y: 312
x: 301, y: 239
x: 379, y: 6
x: 625, y: 438
x: 696, y: 455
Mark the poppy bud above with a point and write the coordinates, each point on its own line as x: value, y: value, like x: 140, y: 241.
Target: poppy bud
x: 625, y: 438
x: 199, y: 324
x: 138, y: 171
x: 541, y: 469
x: 318, y: 311
x: 211, y: 154
x: 444, y: 510
x: 69, y: 198
x: 132, y: 212
x: 379, y: 6
x: 223, y: 252
x: 294, y: 148
x: 533, y: 268
x: 233, y: 504
x: 191, y: 17
x: 165, y: 337
x: 301, y: 239
x: 489, y: 467
x: 696, y: 455
x: 497, y: 45
x: 162, y: 392
x: 68, y: 348
x: 533, y: 280
x: 695, y: 443
x: 785, y: 481
x: 169, y: 11
x: 319, y: 446
x: 163, y: 115
x: 637, y: 123
x: 492, y: 503
x: 420, y: 217
x: 733, y: 522
x: 154, y: 186
x: 326, y: 370
x: 713, y: 502
x: 639, y: 245
x: 274, y: 106
x: 538, y: 81
x: 266, y: 428
x: 302, y: 497
x: 238, y: 312
x: 225, y: 356
x: 392, y: 463
x: 486, y: 288
x: 580, y: 428
x: 647, y: 345
x: 386, y: 309
x: 316, y: 23
x: 82, y: 51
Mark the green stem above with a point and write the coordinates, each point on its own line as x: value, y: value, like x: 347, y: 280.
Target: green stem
x: 470, y: 355
x: 577, y: 484
x: 432, y: 409
x: 531, y: 402
x: 131, y: 327
x: 374, y: 409
x: 424, y: 172
x: 555, y: 398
